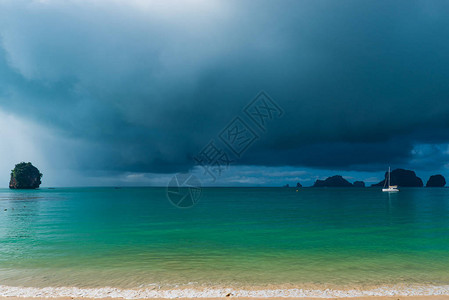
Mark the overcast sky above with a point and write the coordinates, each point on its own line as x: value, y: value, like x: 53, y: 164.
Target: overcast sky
x: 129, y: 92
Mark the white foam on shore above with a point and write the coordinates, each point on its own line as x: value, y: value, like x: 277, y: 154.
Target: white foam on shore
x: 148, y: 293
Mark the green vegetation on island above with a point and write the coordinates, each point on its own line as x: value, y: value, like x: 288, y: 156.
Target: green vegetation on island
x: 25, y: 176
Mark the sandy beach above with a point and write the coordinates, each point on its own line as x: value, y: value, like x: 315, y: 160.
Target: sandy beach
x: 445, y: 297
x: 391, y: 292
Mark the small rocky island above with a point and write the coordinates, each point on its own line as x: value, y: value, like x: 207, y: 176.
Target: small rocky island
x: 334, y: 181
x: 359, y: 184
x: 25, y: 176
x: 337, y: 181
x: 436, y: 181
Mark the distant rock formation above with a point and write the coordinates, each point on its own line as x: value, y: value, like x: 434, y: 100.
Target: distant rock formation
x: 436, y: 181
x: 286, y: 186
x: 358, y: 184
x: 402, y: 178
x: 25, y: 176
x: 298, y: 185
x: 334, y: 181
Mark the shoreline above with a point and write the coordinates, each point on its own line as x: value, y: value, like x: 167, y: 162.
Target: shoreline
x: 435, y: 297
x: 386, y: 292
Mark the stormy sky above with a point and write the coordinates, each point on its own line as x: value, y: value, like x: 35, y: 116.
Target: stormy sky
x: 130, y: 92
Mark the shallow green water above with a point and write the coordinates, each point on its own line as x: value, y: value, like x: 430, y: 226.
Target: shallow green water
x: 132, y: 237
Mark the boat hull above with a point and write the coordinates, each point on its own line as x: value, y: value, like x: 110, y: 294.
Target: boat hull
x: 390, y: 190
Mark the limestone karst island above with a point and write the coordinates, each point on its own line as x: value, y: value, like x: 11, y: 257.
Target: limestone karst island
x: 25, y: 176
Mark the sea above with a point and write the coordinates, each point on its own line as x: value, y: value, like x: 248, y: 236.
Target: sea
x: 250, y: 242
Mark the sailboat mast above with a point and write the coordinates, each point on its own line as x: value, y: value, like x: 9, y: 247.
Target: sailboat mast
x: 390, y: 188
x: 389, y: 178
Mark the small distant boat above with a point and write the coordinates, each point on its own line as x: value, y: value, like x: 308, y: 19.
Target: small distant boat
x: 390, y: 188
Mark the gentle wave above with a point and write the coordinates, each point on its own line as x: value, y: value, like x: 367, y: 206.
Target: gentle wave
x: 148, y: 293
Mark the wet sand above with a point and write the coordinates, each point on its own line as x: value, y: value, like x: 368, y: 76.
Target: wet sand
x: 445, y: 297
x: 385, y: 292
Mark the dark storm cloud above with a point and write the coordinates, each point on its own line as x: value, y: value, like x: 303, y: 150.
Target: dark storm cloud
x: 143, y: 86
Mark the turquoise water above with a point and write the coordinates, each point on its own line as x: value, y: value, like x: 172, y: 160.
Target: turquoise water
x: 133, y: 237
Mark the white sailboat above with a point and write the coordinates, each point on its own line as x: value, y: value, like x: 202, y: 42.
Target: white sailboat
x: 391, y: 188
